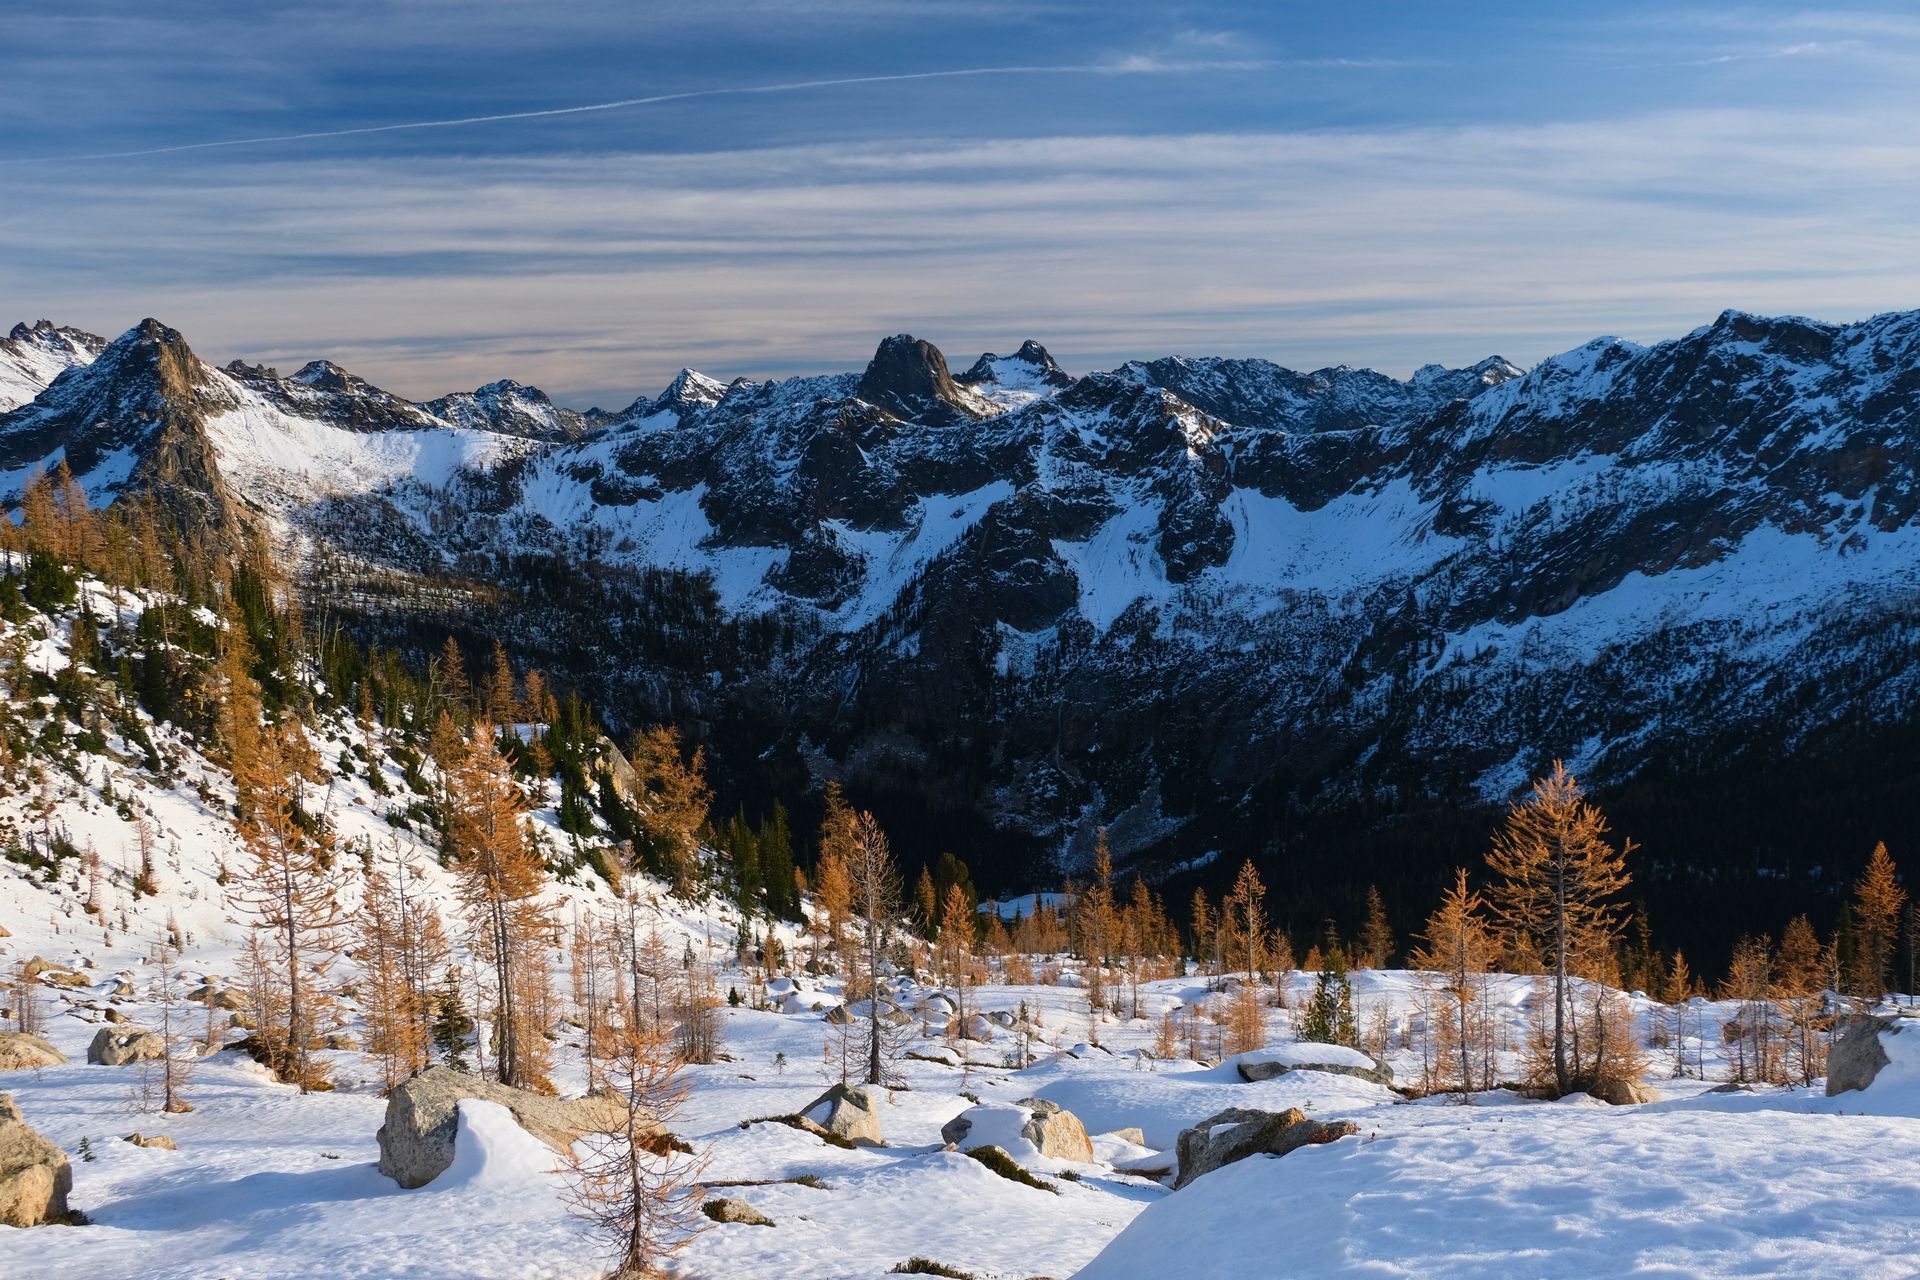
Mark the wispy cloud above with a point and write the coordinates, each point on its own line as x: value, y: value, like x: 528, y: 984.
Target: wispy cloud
x: 597, y: 276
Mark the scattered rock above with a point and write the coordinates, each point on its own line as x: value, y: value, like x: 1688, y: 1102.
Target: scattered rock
x: 218, y: 997
x: 113, y: 1015
x: 22, y: 1052
x: 848, y: 1113
x: 416, y: 1142
x: 1857, y: 1054
x: 158, y: 1140
x: 244, y: 1021
x: 342, y: 1040
x: 727, y: 1209
x: 34, y: 1174
x: 1239, y: 1132
x: 113, y: 1047
x: 839, y: 1017
x: 1130, y: 1134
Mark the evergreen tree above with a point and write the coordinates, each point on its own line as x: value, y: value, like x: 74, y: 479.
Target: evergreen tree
x: 1877, y: 903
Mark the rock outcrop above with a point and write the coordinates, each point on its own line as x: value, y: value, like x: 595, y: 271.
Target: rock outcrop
x: 20, y: 1051
x: 157, y: 1141
x: 849, y: 1113
x: 416, y: 1141
x: 35, y: 1177
x: 117, y: 1046
x: 1239, y: 1132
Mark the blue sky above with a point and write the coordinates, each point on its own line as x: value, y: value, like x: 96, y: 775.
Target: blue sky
x: 1380, y: 184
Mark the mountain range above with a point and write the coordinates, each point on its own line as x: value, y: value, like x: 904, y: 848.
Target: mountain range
x: 1217, y: 606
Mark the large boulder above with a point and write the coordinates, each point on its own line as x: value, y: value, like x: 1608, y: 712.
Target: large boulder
x: 848, y: 1113
x: 116, y: 1046
x: 416, y: 1141
x: 34, y: 1174
x: 1052, y: 1130
x: 1239, y: 1132
x: 1858, y: 1055
x: 1268, y: 1064
x: 22, y: 1052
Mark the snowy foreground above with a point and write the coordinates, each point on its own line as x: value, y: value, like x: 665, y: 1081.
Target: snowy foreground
x: 267, y: 1183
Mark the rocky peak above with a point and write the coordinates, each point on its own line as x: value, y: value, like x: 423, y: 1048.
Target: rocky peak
x: 509, y: 408
x: 908, y: 377
x: 1029, y: 367
x: 32, y: 356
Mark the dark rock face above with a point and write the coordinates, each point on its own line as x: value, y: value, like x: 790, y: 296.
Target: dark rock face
x: 908, y: 377
x: 1857, y: 1055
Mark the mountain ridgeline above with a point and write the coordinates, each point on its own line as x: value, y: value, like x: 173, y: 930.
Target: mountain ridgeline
x: 1328, y: 619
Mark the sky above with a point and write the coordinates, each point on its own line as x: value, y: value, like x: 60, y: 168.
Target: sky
x: 439, y: 193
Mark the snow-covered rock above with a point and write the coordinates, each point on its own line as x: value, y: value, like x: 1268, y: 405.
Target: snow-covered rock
x: 847, y: 1112
x: 1305, y: 1055
x: 1025, y: 1129
x: 418, y: 1137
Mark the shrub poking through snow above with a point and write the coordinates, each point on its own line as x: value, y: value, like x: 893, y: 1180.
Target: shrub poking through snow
x: 1007, y: 1167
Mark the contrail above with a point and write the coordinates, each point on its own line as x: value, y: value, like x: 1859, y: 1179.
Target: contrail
x: 618, y: 104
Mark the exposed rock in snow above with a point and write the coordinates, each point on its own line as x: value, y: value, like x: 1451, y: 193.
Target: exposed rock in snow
x: 847, y: 1112
x: 1024, y: 1129
x: 1859, y: 1052
x: 728, y: 1209
x: 34, y: 1174
x: 1237, y: 1133
x: 20, y: 1051
x: 114, y: 1047
x: 417, y: 1139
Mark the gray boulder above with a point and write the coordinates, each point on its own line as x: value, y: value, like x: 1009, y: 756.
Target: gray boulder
x: 116, y: 1046
x: 416, y: 1142
x: 22, y: 1052
x: 727, y: 1209
x: 1857, y: 1054
x: 1239, y: 1132
x: 849, y: 1113
x: 34, y: 1174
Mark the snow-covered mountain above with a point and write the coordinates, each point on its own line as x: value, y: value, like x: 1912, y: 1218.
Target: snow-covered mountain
x: 1191, y: 598
x: 33, y: 355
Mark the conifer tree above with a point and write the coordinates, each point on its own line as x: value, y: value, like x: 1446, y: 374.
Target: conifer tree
x: 624, y: 1176
x: 1557, y: 880
x: 1328, y: 1017
x: 1459, y: 949
x: 1877, y: 902
x: 1243, y: 918
x: 675, y: 800
x: 1200, y: 925
x: 775, y: 839
x: 957, y: 918
x: 402, y: 946
x: 1376, y: 936
x: 500, y: 877
x: 290, y: 886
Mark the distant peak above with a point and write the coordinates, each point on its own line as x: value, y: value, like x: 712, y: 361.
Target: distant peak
x: 1037, y: 364
x: 909, y: 376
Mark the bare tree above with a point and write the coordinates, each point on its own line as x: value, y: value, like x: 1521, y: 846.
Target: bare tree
x: 876, y: 901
